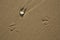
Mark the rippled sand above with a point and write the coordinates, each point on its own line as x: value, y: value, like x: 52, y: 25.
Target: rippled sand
x: 41, y: 20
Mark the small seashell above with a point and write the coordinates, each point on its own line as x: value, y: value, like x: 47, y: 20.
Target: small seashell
x: 21, y: 13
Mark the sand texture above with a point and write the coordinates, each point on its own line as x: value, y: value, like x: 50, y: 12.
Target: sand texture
x: 41, y: 20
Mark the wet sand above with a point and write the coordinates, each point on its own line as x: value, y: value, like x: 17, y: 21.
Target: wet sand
x: 41, y: 20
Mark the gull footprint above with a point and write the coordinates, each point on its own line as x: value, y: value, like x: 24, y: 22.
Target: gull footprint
x: 12, y: 27
x: 45, y: 20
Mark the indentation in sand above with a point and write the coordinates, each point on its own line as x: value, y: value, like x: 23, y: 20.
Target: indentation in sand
x: 45, y: 20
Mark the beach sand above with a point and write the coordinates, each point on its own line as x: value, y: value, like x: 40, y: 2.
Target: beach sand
x: 41, y: 20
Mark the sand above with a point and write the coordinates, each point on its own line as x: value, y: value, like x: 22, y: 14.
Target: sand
x: 41, y: 20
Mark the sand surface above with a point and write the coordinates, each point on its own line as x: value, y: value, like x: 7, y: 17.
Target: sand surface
x: 41, y: 20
